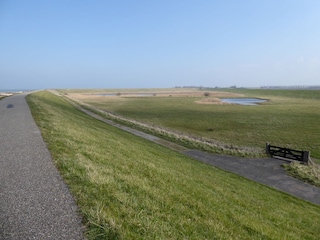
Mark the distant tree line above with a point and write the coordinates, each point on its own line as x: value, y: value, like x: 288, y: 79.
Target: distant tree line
x: 291, y: 87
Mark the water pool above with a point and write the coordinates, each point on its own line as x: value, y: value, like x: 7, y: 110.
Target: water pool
x: 243, y: 101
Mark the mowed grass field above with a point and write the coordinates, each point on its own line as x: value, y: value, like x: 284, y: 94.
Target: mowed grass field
x: 290, y: 118
x: 129, y: 188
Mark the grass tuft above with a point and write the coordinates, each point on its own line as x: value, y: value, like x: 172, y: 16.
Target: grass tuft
x: 308, y: 173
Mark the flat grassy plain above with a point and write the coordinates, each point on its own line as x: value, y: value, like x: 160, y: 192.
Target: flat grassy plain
x: 129, y: 188
x: 290, y: 118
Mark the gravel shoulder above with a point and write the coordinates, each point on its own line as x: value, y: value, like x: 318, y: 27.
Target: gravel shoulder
x: 34, y: 201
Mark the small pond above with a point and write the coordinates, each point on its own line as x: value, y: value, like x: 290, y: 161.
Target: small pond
x: 243, y: 101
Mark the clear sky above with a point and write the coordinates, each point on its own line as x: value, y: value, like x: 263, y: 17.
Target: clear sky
x: 164, y: 43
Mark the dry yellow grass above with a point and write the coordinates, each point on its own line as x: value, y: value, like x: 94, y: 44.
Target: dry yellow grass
x: 210, y: 100
x: 211, y: 97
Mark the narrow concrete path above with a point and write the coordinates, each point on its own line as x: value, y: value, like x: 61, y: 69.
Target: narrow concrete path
x: 34, y: 201
x: 267, y: 171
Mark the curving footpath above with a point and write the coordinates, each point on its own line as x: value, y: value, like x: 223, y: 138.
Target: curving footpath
x: 268, y: 171
x: 34, y: 201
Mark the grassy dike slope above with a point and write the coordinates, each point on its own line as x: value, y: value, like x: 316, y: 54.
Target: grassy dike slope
x: 129, y: 188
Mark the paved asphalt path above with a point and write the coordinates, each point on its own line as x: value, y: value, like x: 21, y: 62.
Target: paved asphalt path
x: 268, y: 171
x: 34, y: 201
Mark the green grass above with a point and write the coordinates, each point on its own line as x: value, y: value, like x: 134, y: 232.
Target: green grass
x: 288, y: 119
x: 129, y: 188
x: 301, y: 94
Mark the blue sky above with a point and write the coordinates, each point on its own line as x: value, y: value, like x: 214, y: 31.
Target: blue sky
x: 137, y: 44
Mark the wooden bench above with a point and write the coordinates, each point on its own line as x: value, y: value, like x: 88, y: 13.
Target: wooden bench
x: 288, y: 154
